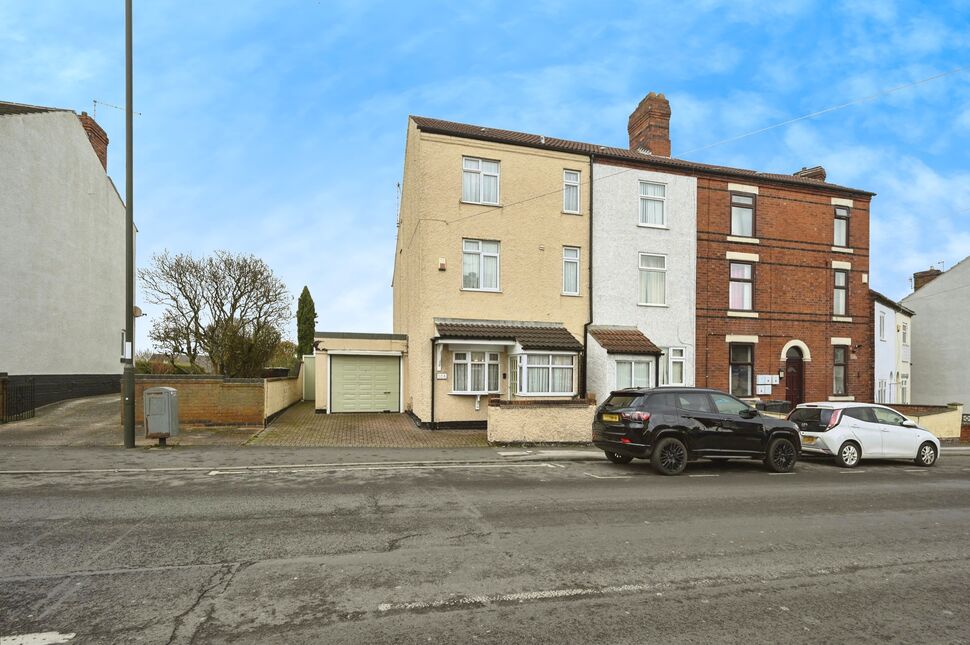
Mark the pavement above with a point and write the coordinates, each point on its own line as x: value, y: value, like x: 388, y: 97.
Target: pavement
x: 490, y: 545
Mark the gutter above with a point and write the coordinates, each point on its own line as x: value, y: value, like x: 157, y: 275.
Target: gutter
x: 585, y: 384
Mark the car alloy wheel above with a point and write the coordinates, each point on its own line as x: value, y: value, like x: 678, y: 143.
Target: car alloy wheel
x: 848, y: 455
x: 670, y: 456
x: 781, y: 455
x: 926, y: 455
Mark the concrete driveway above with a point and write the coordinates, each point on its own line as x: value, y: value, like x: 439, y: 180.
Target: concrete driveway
x: 96, y: 421
x: 301, y: 426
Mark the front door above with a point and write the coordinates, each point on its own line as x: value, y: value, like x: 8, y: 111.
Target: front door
x: 794, y: 377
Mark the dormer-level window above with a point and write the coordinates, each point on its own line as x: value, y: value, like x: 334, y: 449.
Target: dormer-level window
x: 841, y: 226
x: 479, y: 181
x: 653, y: 199
x: 742, y: 214
x: 570, y: 191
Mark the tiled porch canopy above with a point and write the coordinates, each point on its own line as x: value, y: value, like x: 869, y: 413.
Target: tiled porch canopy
x: 623, y: 340
x: 529, y: 335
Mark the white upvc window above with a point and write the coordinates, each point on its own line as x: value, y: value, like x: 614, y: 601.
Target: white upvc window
x: 882, y: 325
x: 676, y: 366
x: 653, y: 279
x: 570, y: 191
x: 480, y: 265
x: 570, y: 270
x: 881, y: 392
x: 653, y: 197
x: 546, y: 374
x: 479, y: 180
x: 633, y: 373
x: 905, y: 334
x: 475, y: 372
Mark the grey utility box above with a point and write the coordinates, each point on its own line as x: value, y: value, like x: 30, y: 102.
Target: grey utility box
x: 161, y: 406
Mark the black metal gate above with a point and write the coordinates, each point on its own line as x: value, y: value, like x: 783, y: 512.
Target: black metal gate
x: 17, y: 400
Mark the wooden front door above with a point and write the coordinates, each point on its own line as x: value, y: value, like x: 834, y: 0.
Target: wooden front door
x: 794, y: 377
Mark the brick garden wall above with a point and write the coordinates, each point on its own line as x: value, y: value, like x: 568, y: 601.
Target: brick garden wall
x: 208, y: 400
x: 793, y: 287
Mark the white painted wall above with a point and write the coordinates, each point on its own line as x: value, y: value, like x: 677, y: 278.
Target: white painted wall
x: 885, y: 353
x: 617, y: 242
x: 941, y: 340
x: 62, y: 244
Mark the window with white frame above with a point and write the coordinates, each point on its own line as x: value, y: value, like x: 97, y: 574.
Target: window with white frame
x: 653, y: 279
x: 882, y: 325
x: 676, y: 362
x: 475, y: 372
x: 881, y: 392
x: 479, y: 180
x: 546, y: 374
x: 905, y: 334
x: 570, y: 191
x: 633, y: 373
x: 479, y: 265
x: 570, y: 270
x: 653, y: 198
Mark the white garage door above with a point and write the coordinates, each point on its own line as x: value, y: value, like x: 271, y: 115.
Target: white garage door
x: 365, y: 383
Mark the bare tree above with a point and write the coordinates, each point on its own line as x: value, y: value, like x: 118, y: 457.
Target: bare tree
x: 231, y: 307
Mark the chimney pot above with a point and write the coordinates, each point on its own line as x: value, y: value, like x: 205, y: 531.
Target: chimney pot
x: 649, y: 125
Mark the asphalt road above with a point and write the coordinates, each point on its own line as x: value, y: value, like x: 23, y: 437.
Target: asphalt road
x: 480, y: 547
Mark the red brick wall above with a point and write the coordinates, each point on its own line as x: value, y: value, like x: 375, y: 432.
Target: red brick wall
x: 208, y: 401
x: 793, y: 289
x: 97, y: 136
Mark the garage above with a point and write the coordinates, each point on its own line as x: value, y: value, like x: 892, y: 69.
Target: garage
x: 365, y: 383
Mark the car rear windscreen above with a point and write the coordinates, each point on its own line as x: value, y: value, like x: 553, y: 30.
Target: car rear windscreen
x: 811, y: 419
x: 621, y: 401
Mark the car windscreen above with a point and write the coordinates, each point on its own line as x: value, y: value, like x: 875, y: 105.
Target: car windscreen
x: 811, y: 419
x: 621, y: 401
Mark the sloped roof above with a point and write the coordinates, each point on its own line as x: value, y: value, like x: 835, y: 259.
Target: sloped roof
x: 482, y: 133
x: 7, y: 107
x: 531, y: 335
x: 623, y: 340
x: 889, y: 302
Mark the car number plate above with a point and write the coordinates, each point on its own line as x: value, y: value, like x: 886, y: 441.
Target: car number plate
x: 808, y: 439
x: 612, y: 418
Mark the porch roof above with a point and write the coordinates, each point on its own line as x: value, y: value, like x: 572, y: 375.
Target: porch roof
x: 623, y: 340
x: 530, y: 335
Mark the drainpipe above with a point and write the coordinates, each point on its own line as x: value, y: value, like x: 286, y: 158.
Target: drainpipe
x: 434, y: 378
x: 585, y: 383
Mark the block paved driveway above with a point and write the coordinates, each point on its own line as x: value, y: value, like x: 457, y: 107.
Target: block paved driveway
x: 302, y: 426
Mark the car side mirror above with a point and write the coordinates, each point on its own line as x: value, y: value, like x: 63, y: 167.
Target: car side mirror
x: 749, y: 413
x: 909, y: 424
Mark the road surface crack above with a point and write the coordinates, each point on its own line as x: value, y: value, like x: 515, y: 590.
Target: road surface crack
x: 187, y: 623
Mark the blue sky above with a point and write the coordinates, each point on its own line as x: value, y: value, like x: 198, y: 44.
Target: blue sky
x: 277, y: 128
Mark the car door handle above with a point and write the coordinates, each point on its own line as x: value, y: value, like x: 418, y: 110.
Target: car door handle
x: 885, y: 429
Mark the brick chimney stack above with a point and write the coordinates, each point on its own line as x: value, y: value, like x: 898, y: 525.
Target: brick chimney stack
x: 921, y: 278
x: 649, y: 125
x: 97, y: 136
x: 816, y: 172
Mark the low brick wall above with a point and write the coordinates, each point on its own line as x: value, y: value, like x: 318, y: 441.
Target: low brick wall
x: 207, y: 400
x: 525, y: 421
x: 944, y: 421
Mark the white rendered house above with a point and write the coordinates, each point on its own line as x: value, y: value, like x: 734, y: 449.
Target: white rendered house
x: 892, y: 338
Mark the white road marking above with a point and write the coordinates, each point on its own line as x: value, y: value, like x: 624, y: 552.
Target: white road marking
x: 592, y: 454
x: 709, y: 475
x: 515, y: 453
x: 851, y: 472
x: 522, y: 596
x: 354, y: 467
x: 782, y: 473
x: 38, y: 638
x: 608, y: 476
x: 915, y: 470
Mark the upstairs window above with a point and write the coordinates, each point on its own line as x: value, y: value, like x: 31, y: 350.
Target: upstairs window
x: 741, y: 296
x: 479, y: 181
x: 570, y: 191
x: 653, y: 279
x: 742, y: 214
x: 652, y: 204
x: 841, y: 226
x: 882, y: 326
x: 905, y: 334
x: 841, y: 294
x: 479, y: 265
x: 742, y: 370
x: 475, y: 372
x: 840, y: 370
x: 570, y: 270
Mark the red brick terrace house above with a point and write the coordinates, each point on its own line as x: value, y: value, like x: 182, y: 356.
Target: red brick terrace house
x: 783, y: 306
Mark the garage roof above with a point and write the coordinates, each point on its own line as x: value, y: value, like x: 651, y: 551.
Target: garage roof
x: 530, y: 335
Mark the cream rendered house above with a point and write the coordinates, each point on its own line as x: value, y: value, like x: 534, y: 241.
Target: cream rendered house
x: 491, y: 269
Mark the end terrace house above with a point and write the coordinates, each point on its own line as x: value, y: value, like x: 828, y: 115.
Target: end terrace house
x: 491, y: 269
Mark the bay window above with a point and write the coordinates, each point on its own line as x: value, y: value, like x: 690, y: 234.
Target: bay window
x: 475, y: 372
x: 544, y: 374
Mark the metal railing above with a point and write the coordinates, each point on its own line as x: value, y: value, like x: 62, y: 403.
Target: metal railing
x: 16, y: 400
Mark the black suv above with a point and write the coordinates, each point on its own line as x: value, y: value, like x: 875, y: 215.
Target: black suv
x: 671, y: 426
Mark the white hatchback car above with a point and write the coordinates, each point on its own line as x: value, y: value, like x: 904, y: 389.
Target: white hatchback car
x: 853, y: 431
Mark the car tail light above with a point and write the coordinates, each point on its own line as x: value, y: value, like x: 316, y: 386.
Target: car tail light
x: 636, y: 416
x: 834, y: 419
x: 624, y: 440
